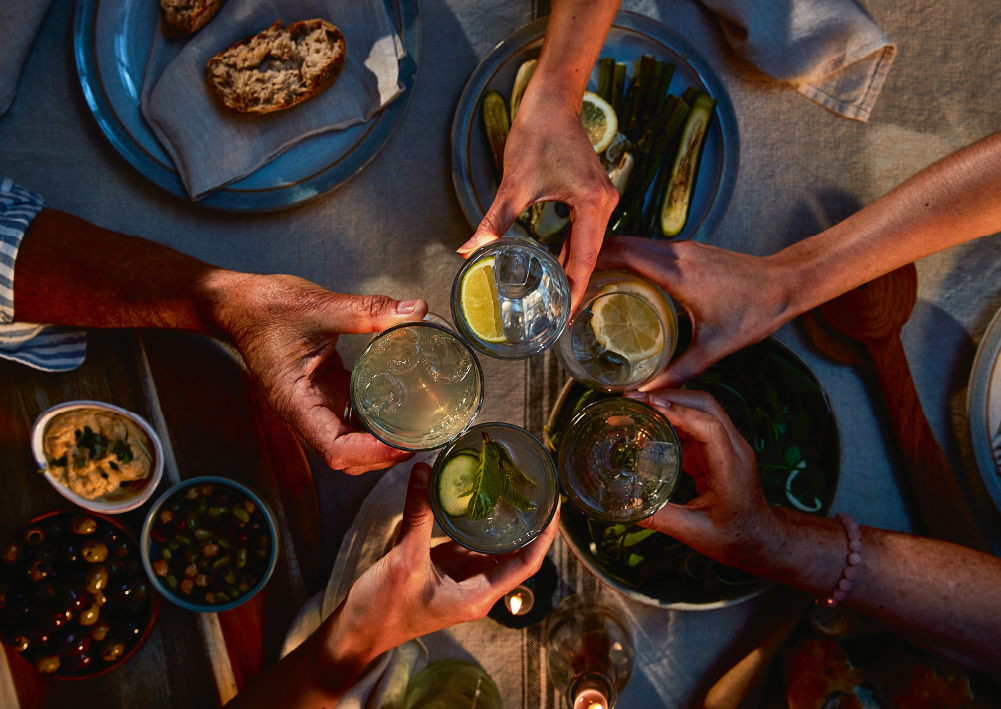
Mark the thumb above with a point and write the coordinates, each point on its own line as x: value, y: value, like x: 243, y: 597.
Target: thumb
x: 353, y: 314
x: 506, y: 207
x: 418, y: 519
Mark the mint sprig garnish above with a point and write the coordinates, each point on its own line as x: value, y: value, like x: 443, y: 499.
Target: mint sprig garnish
x: 495, y: 479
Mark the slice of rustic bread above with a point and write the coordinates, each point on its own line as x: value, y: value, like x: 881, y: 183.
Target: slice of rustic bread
x: 277, y: 68
x: 181, y: 17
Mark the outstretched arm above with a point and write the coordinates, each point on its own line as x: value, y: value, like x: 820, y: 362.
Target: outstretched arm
x: 412, y: 591
x: 71, y: 272
x: 548, y: 156
x: 938, y: 595
x: 736, y: 299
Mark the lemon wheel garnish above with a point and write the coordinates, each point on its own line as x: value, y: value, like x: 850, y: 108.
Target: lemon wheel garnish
x: 599, y: 121
x: 480, y: 302
x: 647, y: 291
x: 625, y: 324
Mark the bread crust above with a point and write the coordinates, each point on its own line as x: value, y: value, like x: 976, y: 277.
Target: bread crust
x: 189, y: 25
x: 325, y: 80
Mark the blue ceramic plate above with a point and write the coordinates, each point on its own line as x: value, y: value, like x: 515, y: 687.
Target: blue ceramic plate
x: 631, y: 36
x: 111, y: 41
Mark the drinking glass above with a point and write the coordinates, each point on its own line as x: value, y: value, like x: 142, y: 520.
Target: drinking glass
x: 588, y: 651
x: 620, y: 460
x: 511, y: 299
x: 453, y: 684
x: 416, y: 386
x: 506, y: 528
x: 622, y: 336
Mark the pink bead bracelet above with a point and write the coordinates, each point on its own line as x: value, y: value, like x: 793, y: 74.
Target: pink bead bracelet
x: 850, y: 571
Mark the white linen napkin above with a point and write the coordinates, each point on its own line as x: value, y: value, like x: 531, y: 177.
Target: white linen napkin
x: 212, y: 146
x: 829, y: 50
x: 20, y: 21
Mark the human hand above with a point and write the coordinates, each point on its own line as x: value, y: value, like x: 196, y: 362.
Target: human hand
x: 730, y: 520
x: 415, y: 590
x: 286, y: 329
x: 549, y: 158
x: 733, y: 299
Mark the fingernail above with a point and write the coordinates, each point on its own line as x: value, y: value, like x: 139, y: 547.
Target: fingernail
x: 638, y: 395
x: 405, y: 307
x: 420, y: 474
x: 661, y: 401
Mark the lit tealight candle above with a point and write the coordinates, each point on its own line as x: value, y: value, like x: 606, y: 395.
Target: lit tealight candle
x: 590, y: 699
x: 520, y: 600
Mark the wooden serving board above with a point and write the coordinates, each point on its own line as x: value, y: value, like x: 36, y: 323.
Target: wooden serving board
x: 196, y: 395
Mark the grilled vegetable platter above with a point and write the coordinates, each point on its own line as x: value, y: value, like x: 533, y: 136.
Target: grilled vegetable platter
x: 657, y: 115
x: 777, y: 405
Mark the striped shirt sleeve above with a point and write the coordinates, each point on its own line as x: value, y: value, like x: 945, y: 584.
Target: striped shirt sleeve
x: 52, y: 348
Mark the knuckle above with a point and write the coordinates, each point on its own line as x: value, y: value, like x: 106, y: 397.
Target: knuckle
x: 490, y: 224
x: 375, y: 305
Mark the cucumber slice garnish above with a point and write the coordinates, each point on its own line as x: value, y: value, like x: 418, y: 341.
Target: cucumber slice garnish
x: 456, y: 482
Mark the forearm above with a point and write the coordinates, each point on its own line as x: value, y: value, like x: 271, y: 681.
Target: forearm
x: 938, y: 595
x: 71, y: 272
x: 574, y: 37
x: 950, y: 202
x: 317, y: 673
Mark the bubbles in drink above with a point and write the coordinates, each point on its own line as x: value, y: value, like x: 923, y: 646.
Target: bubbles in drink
x: 384, y: 394
x: 445, y: 359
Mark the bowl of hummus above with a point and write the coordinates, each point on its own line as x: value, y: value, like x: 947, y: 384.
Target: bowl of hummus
x: 98, y: 456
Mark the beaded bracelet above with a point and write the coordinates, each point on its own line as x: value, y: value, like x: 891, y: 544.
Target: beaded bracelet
x: 844, y: 585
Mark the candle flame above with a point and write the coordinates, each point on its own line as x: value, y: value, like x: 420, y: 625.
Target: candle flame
x: 516, y: 603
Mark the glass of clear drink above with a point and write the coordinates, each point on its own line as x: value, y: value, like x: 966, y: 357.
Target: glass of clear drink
x: 494, y: 489
x: 620, y: 460
x: 511, y: 299
x: 622, y: 336
x: 588, y: 651
x: 416, y: 386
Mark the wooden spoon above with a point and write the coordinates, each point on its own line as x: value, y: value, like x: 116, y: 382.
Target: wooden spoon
x: 874, y: 314
x: 834, y: 343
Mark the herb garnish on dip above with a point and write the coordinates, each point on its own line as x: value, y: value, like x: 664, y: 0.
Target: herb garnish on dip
x: 97, y: 453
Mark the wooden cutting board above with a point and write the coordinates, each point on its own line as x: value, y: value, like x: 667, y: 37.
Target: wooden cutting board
x: 197, y: 396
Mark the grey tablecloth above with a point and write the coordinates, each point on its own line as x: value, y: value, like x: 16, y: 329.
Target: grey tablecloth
x: 395, y: 227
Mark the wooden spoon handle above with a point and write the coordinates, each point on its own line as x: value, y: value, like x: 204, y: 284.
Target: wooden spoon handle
x: 941, y: 502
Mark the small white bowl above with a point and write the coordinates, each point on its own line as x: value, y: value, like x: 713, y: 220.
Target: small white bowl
x: 98, y: 505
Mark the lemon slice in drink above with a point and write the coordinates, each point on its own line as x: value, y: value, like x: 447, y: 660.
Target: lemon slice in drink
x: 480, y: 302
x: 647, y: 291
x: 599, y: 121
x: 625, y: 324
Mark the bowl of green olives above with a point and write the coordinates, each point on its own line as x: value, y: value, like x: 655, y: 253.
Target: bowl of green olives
x: 209, y: 544
x: 74, y: 598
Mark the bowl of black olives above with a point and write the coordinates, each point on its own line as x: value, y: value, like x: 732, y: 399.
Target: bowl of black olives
x: 74, y: 597
x: 209, y: 544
